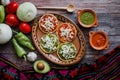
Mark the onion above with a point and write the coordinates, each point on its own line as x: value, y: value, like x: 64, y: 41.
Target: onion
x: 5, y: 33
x: 31, y: 56
x: 5, y: 2
x: 26, y: 12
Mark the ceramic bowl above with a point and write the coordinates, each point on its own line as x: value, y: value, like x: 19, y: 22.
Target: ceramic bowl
x: 98, y: 40
x: 93, y: 24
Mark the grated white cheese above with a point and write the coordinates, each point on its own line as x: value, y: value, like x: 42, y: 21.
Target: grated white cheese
x: 66, y: 32
x: 54, y: 57
x: 67, y: 51
x: 49, y: 42
x: 48, y: 24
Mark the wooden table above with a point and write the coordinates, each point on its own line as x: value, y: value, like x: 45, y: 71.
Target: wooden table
x: 108, y: 12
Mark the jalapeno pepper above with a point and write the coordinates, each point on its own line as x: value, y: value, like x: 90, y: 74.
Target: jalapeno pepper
x: 24, y: 40
x: 19, y: 50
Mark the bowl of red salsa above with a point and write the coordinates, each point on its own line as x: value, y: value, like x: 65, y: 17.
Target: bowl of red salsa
x: 87, y: 18
x: 98, y: 40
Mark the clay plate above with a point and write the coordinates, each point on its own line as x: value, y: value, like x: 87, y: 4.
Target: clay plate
x: 79, y: 42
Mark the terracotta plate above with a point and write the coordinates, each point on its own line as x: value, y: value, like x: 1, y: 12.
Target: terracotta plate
x: 79, y: 42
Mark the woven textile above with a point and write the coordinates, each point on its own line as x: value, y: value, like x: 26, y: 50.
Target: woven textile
x: 106, y: 67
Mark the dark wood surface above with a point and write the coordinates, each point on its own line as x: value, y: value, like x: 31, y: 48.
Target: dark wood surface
x: 108, y: 12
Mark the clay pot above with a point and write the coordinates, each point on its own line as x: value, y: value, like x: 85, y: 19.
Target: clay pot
x: 98, y: 40
x: 95, y: 22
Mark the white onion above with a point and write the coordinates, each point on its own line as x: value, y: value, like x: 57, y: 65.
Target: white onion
x: 31, y: 56
x: 5, y: 33
x: 26, y: 12
x: 5, y: 2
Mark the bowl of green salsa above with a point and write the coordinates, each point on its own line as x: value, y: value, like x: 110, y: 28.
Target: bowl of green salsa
x: 87, y: 18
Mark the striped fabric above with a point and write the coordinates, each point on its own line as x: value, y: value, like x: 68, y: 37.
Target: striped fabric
x: 106, y: 67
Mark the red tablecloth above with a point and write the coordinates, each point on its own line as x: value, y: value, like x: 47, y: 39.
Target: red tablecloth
x: 106, y: 67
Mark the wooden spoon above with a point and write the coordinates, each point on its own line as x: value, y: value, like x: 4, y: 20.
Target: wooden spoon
x: 69, y: 8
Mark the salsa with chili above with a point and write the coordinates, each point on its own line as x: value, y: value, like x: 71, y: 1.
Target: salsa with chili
x: 98, y: 40
x: 87, y: 18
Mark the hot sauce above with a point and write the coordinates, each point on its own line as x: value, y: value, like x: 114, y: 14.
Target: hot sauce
x: 98, y: 40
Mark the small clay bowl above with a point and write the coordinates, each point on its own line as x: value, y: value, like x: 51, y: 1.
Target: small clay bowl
x: 98, y: 40
x: 94, y: 22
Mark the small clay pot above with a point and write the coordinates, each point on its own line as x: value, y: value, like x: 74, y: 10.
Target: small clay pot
x: 98, y: 40
x: 95, y: 22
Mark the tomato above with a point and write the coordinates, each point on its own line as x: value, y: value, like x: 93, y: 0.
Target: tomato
x: 12, y: 7
x: 25, y: 27
x: 11, y: 20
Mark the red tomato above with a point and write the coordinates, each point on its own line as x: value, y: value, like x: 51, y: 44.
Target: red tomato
x: 11, y: 20
x: 12, y: 7
x: 25, y: 27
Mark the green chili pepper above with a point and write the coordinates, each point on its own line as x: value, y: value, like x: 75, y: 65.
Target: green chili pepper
x: 24, y: 40
x: 19, y: 50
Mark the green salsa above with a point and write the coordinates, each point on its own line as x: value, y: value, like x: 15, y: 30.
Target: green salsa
x: 87, y: 18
